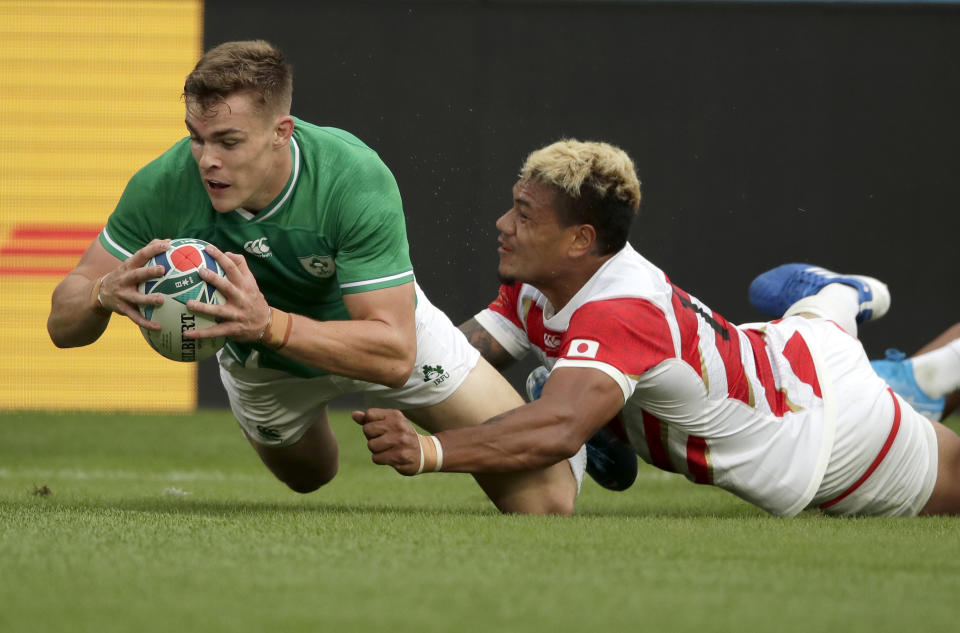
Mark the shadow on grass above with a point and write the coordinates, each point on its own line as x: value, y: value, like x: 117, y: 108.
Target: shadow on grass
x: 309, y: 507
x: 243, y: 508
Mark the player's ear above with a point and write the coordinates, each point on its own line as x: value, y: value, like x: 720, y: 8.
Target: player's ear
x: 282, y: 131
x: 583, y: 240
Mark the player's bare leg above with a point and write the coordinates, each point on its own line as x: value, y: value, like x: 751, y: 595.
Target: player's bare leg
x: 484, y: 394
x: 946, y: 338
x: 945, y: 498
x: 951, y: 334
x: 930, y: 379
x: 308, y: 463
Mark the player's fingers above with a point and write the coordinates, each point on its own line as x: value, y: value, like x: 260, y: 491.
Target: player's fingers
x: 232, y: 293
x: 221, y: 328
x: 139, y: 275
x: 219, y: 282
x: 239, y: 260
x: 221, y: 312
x: 120, y: 291
x: 134, y: 314
x: 215, y: 252
x: 213, y: 331
x: 404, y: 459
x: 153, y: 299
x: 153, y: 248
x: 229, y: 265
x: 392, y: 443
x: 373, y: 429
x: 374, y: 415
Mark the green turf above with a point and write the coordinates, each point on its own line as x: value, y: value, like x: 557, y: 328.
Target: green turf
x: 171, y: 524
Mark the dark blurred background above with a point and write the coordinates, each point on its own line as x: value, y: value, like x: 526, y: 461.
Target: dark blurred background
x: 763, y: 132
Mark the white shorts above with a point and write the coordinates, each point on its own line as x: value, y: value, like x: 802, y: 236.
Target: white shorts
x: 276, y: 408
x: 877, y: 467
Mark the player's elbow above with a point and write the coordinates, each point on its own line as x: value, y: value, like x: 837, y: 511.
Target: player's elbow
x: 569, y: 442
x: 57, y: 335
x: 398, y: 370
x: 396, y: 375
x: 567, y: 434
x: 55, y: 339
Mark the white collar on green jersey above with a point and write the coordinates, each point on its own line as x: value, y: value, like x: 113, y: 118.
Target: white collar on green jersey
x: 263, y: 215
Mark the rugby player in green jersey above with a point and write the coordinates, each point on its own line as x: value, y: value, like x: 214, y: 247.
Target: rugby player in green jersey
x: 321, y: 297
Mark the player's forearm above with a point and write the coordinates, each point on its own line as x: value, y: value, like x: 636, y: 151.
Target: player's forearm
x: 76, y: 318
x: 366, y: 350
x: 486, y: 344
x: 528, y: 437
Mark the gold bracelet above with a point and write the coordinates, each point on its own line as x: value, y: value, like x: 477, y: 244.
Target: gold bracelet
x: 95, y: 301
x: 264, y: 330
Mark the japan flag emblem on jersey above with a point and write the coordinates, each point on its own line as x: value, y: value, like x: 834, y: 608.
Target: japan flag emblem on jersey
x: 583, y: 348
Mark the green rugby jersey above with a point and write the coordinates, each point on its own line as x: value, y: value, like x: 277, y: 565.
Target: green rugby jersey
x: 336, y: 228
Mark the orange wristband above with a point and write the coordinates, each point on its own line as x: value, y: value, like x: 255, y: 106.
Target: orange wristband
x: 277, y: 332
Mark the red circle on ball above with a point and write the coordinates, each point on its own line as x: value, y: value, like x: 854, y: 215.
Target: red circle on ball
x: 186, y: 258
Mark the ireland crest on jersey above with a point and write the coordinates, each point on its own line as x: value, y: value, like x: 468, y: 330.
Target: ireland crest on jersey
x: 321, y: 266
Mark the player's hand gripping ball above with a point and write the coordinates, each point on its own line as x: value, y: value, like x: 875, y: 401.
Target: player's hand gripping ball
x: 179, y: 283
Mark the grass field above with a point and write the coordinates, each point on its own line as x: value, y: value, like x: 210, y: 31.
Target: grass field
x: 157, y: 523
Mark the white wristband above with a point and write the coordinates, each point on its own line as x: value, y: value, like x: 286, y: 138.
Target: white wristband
x: 420, y: 470
x: 436, y: 442
x: 431, y: 454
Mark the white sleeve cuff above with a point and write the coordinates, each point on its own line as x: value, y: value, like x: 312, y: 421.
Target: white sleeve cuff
x: 626, y: 386
x: 512, y: 338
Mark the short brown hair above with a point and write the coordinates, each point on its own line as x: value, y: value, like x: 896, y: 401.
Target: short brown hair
x: 255, y: 67
x: 598, y: 181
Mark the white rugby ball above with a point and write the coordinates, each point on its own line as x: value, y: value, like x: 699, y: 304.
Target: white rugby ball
x: 180, y: 283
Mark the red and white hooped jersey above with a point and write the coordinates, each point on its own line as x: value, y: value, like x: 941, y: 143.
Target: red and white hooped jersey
x: 747, y: 408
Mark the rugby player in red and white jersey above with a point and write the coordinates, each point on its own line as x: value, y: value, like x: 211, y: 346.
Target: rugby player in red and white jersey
x: 787, y: 415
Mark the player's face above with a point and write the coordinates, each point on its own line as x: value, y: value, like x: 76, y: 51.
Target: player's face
x: 243, y: 160
x: 533, y: 245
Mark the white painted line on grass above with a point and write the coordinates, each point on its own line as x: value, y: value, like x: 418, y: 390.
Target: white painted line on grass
x: 79, y: 474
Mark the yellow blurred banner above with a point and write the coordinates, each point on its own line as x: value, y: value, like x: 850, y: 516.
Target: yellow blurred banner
x: 89, y: 93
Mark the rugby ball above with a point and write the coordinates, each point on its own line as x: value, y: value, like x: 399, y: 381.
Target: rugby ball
x: 179, y: 283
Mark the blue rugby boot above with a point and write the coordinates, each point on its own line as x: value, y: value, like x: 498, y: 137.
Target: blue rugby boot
x: 776, y: 290
x: 897, y: 370
x: 611, y: 461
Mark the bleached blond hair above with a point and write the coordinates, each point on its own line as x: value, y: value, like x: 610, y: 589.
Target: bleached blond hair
x: 599, y: 181
x: 570, y: 165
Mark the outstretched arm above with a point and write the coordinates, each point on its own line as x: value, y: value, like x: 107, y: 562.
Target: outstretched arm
x: 575, y: 403
x: 98, y: 286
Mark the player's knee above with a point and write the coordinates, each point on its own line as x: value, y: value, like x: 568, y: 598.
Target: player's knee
x: 305, y: 485
x: 560, y: 505
x: 308, y: 481
x: 549, y: 502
